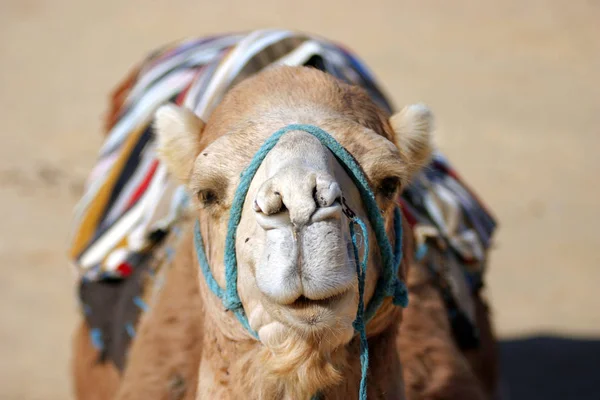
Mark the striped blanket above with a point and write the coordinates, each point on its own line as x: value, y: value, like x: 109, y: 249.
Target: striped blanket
x: 131, y: 206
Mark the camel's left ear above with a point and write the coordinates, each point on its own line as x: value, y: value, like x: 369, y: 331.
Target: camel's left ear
x: 178, y: 130
x: 413, y: 127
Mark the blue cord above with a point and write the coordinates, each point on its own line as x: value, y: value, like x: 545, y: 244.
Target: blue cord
x: 359, y: 323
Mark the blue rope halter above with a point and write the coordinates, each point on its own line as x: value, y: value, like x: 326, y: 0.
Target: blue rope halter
x: 388, y: 284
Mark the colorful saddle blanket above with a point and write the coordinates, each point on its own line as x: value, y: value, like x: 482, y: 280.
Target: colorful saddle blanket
x: 132, y: 207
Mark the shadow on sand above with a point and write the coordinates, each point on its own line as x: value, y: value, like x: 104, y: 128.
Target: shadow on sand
x: 550, y: 368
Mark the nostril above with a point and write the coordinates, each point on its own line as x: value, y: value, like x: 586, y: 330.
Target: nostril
x: 256, y: 207
x: 333, y: 211
x: 268, y: 200
x: 282, y: 207
x: 319, y: 199
x: 325, y: 200
x: 327, y: 191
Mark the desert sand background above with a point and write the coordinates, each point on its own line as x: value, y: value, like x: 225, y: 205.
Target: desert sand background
x: 515, y: 86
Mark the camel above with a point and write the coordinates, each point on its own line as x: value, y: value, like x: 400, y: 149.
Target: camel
x: 297, y: 281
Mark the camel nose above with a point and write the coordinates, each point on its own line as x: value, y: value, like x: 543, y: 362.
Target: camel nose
x: 301, y: 191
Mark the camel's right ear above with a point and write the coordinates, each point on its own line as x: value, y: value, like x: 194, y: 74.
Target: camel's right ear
x: 178, y: 130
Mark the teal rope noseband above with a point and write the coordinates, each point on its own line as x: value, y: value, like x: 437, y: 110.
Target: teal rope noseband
x: 388, y: 284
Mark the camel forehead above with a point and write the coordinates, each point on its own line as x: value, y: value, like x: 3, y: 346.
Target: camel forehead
x: 279, y: 96
x: 282, y: 84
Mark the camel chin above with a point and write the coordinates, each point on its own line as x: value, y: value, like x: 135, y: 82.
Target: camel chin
x: 320, y: 322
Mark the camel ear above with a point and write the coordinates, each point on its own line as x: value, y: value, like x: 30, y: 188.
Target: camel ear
x: 178, y: 131
x: 413, y: 127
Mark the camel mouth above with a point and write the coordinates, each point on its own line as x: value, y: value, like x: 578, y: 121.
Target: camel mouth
x: 316, y: 315
x: 303, y: 302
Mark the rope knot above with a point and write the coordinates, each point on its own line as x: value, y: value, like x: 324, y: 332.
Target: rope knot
x: 358, y: 324
x: 232, y: 304
x: 399, y: 294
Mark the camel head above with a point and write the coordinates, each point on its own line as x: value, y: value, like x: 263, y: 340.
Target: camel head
x: 296, y: 271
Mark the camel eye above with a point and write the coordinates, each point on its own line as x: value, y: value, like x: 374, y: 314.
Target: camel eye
x: 211, y: 191
x: 207, y: 197
x: 388, y: 187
